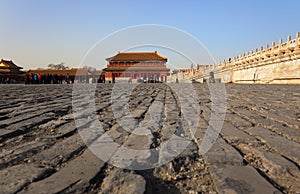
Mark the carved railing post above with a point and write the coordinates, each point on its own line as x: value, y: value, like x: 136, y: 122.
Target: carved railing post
x: 267, y: 51
x: 280, y: 43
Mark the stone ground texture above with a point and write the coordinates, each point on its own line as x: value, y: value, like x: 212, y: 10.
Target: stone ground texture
x: 257, y: 151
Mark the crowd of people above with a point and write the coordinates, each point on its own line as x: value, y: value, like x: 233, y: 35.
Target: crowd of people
x: 34, y: 78
x: 48, y: 78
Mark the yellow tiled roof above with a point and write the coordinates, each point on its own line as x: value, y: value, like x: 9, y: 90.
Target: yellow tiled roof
x: 5, y: 64
x: 137, y: 56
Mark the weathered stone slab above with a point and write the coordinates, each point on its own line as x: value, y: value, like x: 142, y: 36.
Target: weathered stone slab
x: 284, y: 146
x: 223, y: 153
x: 77, y: 174
x: 168, y: 130
x: 16, y: 177
x: 119, y: 181
x: 237, y: 121
x: 20, y: 152
x: 135, y: 151
x: 233, y: 134
x: 283, y: 172
x: 280, y: 128
x: 21, y: 112
x: 277, y: 116
x: 7, y: 133
x: 137, y: 113
x: 62, y: 131
x: 55, y: 123
x: 32, y: 122
x: 17, y: 116
x: 118, y: 134
x: 23, y: 126
x: 239, y: 179
x: 60, y: 152
x: 289, y: 133
x: 172, y: 148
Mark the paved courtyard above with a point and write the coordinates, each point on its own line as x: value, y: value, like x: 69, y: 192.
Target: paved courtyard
x: 43, y: 149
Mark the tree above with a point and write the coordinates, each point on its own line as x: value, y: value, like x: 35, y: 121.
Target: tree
x: 59, y: 66
x: 89, y: 68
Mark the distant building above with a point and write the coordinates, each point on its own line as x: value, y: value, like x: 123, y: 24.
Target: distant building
x: 10, y: 72
x: 137, y: 65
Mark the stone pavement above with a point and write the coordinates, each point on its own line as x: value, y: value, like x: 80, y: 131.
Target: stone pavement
x: 43, y: 150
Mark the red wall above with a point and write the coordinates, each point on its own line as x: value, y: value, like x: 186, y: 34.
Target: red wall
x: 155, y: 64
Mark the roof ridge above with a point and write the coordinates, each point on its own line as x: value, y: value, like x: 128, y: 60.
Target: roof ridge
x: 137, y: 56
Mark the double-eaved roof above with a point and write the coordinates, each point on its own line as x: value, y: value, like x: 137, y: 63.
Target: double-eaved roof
x: 137, y: 56
x: 5, y: 64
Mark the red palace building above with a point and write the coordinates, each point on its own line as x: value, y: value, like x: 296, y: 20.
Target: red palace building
x: 147, y: 66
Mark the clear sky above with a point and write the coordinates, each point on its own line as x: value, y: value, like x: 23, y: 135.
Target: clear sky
x: 35, y: 33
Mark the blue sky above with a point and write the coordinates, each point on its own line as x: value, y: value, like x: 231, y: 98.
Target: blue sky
x: 35, y: 33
